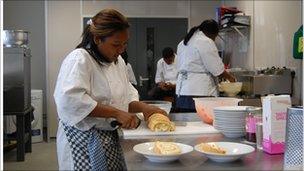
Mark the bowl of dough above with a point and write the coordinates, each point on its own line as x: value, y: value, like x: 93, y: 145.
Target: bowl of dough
x: 231, y: 89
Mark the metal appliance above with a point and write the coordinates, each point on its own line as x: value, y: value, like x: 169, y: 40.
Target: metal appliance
x: 293, y: 156
x: 267, y: 81
x: 16, y: 78
x: 15, y: 38
x: 16, y: 71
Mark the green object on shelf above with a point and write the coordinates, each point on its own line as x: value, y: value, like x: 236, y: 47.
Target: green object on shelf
x: 298, y: 44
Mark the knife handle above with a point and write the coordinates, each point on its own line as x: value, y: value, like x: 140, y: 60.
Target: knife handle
x: 116, y: 124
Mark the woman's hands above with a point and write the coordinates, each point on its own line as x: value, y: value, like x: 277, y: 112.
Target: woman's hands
x: 166, y: 86
x: 150, y: 110
x: 147, y: 110
x: 128, y: 120
x: 228, y: 76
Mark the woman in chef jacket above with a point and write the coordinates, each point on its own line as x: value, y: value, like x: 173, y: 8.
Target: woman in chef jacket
x: 92, y: 94
x: 198, y: 65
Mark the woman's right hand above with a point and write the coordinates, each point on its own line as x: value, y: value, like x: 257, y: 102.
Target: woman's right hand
x: 228, y: 76
x: 128, y: 120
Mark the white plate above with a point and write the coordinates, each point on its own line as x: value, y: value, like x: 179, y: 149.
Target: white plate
x: 229, y: 124
x: 234, y: 134
x: 234, y: 115
x: 146, y: 149
x: 234, y: 108
x: 230, y: 120
x: 234, y: 151
x: 232, y: 112
x: 229, y: 117
x: 230, y: 129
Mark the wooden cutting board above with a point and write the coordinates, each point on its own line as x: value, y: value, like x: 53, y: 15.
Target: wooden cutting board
x: 190, y: 128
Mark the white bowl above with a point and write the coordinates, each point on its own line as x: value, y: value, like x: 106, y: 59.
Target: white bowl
x: 234, y: 134
x: 164, y: 105
x: 234, y: 151
x: 146, y: 149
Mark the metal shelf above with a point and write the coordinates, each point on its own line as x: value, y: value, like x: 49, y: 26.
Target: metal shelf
x: 14, y: 137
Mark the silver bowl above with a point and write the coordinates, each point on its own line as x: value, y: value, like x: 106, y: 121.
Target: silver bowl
x: 15, y: 38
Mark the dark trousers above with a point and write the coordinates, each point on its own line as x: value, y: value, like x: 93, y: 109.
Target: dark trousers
x: 185, y: 103
x: 158, y: 94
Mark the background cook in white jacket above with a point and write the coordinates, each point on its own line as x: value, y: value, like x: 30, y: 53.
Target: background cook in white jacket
x: 165, y: 72
x: 129, y: 69
x: 165, y: 76
x: 92, y: 86
x: 198, y: 64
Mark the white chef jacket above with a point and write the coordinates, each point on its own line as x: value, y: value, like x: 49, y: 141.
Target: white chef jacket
x: 131, y: 75
x: 81, y: 84
x: 199, y: 57
x: 165, y: 72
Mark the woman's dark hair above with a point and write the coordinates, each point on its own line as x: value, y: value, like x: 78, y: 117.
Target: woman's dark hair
x: 209, y: 27
x: 125, y: 56
x: 104, y: 24
x: 167, y: 52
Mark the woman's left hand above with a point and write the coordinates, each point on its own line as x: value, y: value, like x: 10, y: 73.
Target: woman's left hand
x: 150, y: 110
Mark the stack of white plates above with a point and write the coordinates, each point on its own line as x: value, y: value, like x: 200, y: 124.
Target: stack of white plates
x: 231, y: 120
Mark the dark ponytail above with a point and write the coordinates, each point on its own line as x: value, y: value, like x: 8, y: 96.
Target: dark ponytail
x: 87, y: 37
x: 104, y: 24
x: 89, y: 45
x: 209, y: 27
x: 190, y: 34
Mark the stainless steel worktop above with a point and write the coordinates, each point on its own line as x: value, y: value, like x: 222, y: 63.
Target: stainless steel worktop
x: 257, y: 160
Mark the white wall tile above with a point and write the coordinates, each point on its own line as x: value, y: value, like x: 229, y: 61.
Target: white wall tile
x: 138, y: 8
x: 202, y: 10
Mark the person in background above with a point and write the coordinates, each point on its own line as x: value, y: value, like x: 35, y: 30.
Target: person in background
x: 92, y: 91
x: 166, y: 75
x: 129, y: 69
x: 198, y: 65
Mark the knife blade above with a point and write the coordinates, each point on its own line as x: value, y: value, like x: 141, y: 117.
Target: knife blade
x: 180, y: 123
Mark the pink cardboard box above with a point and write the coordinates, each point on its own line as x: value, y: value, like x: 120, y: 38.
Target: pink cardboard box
x: 274, y: 123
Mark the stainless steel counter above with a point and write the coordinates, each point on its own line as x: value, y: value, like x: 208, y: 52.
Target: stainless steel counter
x: 257, y: 160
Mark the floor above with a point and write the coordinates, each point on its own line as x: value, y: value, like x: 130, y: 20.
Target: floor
x: 43, y: 157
